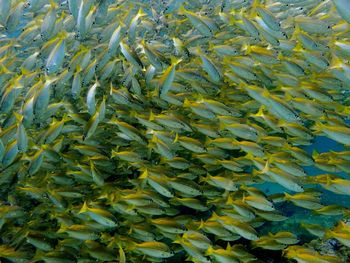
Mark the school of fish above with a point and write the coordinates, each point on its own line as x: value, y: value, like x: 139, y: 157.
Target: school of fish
x: 139, y: 131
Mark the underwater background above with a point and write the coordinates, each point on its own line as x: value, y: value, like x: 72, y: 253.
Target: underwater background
x: 174, y: 131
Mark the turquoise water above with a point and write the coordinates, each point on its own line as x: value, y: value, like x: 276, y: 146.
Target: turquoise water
x: 321, y: 144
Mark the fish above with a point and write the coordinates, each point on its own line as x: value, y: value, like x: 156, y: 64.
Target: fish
x: 304, y: 254
x: 222, y: 255
x: 341, y: 6
x: 337, y: 133
x: 147, y: 131
x: 305, y: 200
x: 340, y: 232
x: 5, y: 7
x: 259, y: 203
x: 167, y: 78
x: 193, y: 251
x: 56, y: 58
x: 99, y: 215
x: 197, y: 21
x: 314, y: 229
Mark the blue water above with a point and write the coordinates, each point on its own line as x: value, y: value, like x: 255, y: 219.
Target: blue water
x: 320, y: 144
x: 295, y: 214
